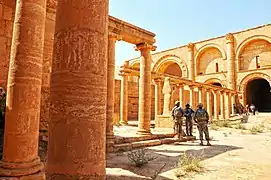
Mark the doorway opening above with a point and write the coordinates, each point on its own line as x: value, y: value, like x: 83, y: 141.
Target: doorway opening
x: 258, y: 93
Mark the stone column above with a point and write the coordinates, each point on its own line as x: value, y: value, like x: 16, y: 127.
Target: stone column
x: 191, y: 61
x: 181, y: 95
x: 227, y: 105
x: 124, y: 98
x: 78, y: 94
x: 144, y: 110
x: 112, y: 38
x: 222, y: 105
x: 216, y: 105
x: 232, y: 102
x: 230, y: 61
x: 192, y: 97
x: 203, y: 98
x: 200, y: 99
x: 209, y: 103
x: 20, y: 153
x: 158, y: 94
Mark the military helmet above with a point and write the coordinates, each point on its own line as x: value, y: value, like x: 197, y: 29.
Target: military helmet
x: 187, y: 105
x: 177, y: 103
x: 200, y: 105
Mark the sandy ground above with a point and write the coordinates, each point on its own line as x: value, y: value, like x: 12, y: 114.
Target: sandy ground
x: 235, y: 155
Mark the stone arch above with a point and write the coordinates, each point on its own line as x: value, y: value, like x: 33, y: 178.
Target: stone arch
x: 250, y: 77
x: 245, y: 43
x: 215, y: 80
x: 167, y: 60
x: 245, y: 82
x: 135, y: 64
x: 206, y: 48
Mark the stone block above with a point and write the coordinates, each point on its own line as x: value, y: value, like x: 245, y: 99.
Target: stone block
x: 164, y: 121
x: 7, y: 13
x: 1, y: 11
x: 8, y: 28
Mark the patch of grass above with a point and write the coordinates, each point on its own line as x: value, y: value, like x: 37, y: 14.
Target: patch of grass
x: 188, y: 164
x: 240, y: 126
x: 215, y: 125
x: 257, y: 129
x: 140, y: 157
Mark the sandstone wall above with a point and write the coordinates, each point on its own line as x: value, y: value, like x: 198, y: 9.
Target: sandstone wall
x: 6, y: 27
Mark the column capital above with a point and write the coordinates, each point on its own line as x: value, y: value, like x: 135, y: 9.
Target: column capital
x: 115, y: 36
x: 190, y: 46
x: 157, y: 80
x: 229, y: 38
x: 145, y: 46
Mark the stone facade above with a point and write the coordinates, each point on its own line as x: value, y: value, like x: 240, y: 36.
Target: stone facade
x: 226, y: 60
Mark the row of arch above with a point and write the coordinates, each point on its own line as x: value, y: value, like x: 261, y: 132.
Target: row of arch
x: 171, y: 59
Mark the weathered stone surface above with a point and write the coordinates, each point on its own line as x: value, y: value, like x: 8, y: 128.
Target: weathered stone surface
x: 78, y: 91
x: 20, y: 155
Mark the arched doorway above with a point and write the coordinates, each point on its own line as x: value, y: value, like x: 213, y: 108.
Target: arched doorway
x: 258, y: 93
x: 217, y: 84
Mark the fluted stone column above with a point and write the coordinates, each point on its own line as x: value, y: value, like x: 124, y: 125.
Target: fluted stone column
x: 227, y: 105
x: 191, y: 61
x: 112, y: 38
x: 78, y: 94
x: 230, y: 61
x: 20, y: 154
x: 192, y: 97
x: 222, y: 104
x: 144, y: 112
x: 158, y: 94
x: 124, y: 98
x: 181, y: 95
x: 209, y: 103
x: 216, y: 105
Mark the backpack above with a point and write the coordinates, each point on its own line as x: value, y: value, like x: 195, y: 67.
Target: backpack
x: 201, y: 115
x: 178, y: 112
x: 188, y: 113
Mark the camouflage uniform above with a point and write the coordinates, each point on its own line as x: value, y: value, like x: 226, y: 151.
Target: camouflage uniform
x: 188, y: 120
x: 202, y: 124
x: 178, y: 122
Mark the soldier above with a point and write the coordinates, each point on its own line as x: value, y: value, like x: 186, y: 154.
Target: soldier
x: 188, y: 113
x: 176, y: 105
x: 202, y: 119
x: 177, y: 113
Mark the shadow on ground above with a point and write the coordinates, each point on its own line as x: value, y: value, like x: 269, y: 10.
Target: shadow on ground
x: 168, y: 157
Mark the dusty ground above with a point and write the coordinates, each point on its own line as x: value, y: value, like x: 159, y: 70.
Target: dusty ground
x: 235, y: 155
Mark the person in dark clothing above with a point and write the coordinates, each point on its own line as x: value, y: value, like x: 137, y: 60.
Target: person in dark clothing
x: 188, y: 114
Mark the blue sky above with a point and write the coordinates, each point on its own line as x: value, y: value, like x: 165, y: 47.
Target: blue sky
x: 178, y: 22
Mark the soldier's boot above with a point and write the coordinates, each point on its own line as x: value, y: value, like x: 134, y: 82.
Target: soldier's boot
x: 201, y: 142
x: 208, y: 143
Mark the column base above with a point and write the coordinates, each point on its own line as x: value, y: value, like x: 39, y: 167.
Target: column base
x: 123, y: 123
x: 57, y: 176
x: 110, y: 143
x: 8, y: 169
x: 12, y: 174
x: 143, y: 132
